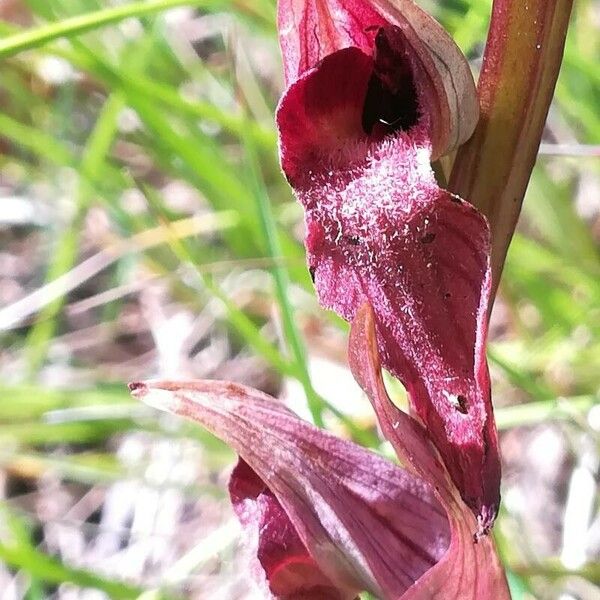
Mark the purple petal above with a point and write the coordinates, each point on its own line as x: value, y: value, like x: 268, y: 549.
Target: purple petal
x: 309, y: 30
x: 367, y: 523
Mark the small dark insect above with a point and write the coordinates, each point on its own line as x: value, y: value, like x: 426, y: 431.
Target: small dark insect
x: 353, y: 239
x: 311, y: 271
x: 462, y: 404
x: 458, y: 401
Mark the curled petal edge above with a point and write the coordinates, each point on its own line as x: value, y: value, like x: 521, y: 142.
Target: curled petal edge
x: 470, y: 569
x: 310, y: 30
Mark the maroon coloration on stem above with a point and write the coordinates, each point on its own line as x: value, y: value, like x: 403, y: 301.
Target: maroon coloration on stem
x: 521, y: 62
x: 356, y: 144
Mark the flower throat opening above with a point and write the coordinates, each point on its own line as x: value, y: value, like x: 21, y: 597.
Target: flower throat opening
x: 391, y: 102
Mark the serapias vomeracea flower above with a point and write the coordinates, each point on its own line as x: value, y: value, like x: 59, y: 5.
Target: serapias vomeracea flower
x: 376, y: 91
x: 327, y: 519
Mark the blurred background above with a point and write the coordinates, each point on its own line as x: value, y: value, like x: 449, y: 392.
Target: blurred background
x: 146, y: 231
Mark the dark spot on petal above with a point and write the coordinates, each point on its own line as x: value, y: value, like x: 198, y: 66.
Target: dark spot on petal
x: 428, y: 238
x: 484, y: 531
x: 353, y: 240
x: 311, y: 271
x: 461, y: 404
x: 447, y: 295
x: 455, y: 199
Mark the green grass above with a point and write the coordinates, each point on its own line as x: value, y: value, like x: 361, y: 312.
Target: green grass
x: 142, y: 114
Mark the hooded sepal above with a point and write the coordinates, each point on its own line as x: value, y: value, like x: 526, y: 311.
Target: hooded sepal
x: 310, y: 30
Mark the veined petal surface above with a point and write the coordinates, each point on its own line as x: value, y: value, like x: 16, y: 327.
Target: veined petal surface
x: 368, y: 524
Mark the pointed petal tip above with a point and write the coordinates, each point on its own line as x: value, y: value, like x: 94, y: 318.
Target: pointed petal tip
x: 153, y: 396
x: 138, y: 389
x: 410, y: 443
x: 485, y: 520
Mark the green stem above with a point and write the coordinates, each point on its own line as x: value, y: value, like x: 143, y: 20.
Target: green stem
x: 522, y: 59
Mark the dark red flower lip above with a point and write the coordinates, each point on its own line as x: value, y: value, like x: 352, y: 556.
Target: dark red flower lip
x: 379, y: 229
x: 357, y: 132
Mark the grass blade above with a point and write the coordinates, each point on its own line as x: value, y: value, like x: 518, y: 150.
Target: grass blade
x: 74, y: 26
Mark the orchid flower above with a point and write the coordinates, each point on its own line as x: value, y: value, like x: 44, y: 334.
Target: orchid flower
x: 375, y: 92
x: 327, y: 519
